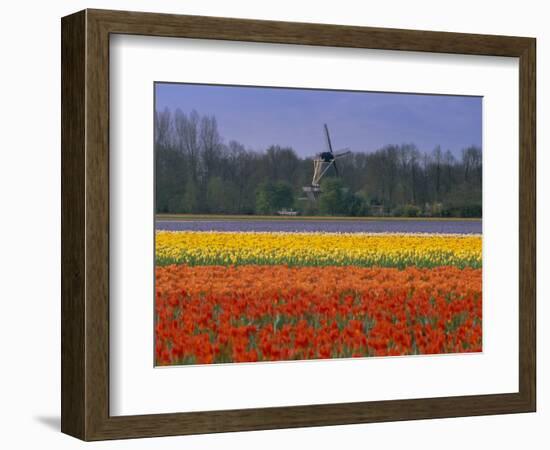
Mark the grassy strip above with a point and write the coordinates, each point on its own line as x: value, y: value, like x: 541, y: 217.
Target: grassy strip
x: 377, y: 261
x: 213, y: 217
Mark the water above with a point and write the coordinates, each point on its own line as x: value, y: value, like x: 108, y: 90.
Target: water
x: 332, y: 225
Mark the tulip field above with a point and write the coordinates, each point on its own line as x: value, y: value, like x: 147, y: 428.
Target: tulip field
x: 227, y: 297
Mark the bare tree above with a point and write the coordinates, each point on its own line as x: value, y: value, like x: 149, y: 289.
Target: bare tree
x: 163, y: 129
x: 471, y: 159
x: 187, y: 139
x: 437, y: 159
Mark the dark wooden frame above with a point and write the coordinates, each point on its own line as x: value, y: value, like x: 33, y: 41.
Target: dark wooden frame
x: 85, y: 224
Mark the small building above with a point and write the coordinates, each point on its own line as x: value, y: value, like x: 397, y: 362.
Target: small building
x: 287, y: 212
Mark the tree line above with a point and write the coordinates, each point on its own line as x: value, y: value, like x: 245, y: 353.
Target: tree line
x: 197, y: 172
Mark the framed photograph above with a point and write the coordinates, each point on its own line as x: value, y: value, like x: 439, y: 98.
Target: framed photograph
x: 273, y: 225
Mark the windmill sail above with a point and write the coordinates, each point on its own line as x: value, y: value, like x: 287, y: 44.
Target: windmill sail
x: 335, y: 168
x: 328, y: 139
x: 321, y: 164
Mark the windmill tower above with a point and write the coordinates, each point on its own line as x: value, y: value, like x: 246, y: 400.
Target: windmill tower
x: 321, y: 164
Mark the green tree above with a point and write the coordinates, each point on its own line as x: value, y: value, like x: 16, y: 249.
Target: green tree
x: 271, y: 197
x: 264, y: 194
x: 217, y: 197
x: 338, y: 200
x: 191, y: 197
x: 331, y: 200
x: 283, y: 195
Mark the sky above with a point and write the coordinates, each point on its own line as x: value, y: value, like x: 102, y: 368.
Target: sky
x: 258, y: 117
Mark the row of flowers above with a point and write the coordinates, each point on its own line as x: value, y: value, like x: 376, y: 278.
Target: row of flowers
x: 317, y: 249
x: 217, y: 314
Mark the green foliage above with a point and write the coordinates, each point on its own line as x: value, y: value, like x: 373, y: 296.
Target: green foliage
x: 170, y: 179
x: 464, y: 201
x: 337, y: 200
x: 273, y: 196
x: 331, y: 200
x: 219, y: 195
x: 406, y: 211
x: 191, y: 201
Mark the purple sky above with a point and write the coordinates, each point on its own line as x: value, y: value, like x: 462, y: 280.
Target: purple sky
x: 363, y: 121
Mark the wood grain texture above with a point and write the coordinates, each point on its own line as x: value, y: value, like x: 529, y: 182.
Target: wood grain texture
x: 527, y: 224
x: 267, y: 31
x: 72, y: 224
x: 85, y: 224
x: 97, y: 225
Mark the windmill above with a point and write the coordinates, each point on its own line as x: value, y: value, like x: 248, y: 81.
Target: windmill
x: 321, y: 164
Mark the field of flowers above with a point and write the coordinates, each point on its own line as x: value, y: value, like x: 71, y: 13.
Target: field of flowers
x: 243, y: 297
x: 318, y: 249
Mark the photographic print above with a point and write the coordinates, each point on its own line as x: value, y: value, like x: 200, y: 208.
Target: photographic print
x: 301, y: 224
